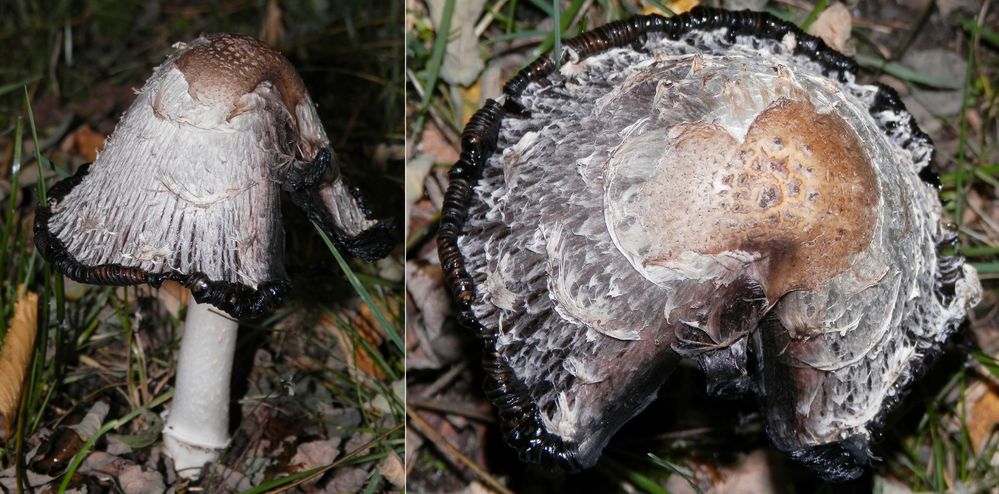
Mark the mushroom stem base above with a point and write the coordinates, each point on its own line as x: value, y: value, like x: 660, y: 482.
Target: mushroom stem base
x: 197, y: 427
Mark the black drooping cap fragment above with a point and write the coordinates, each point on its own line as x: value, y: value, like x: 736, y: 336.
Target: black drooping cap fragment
x: 372, y: 243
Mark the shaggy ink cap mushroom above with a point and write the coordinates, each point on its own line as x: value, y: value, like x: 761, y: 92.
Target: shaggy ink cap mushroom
x: 188, y: 189
x: 188, y: 186
x: 714, y: 186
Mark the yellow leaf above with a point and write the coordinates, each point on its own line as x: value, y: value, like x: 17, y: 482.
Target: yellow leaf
x: 677, y: 6
x: 470, y: 100
x: 15, y: 356
x: 983, y: 414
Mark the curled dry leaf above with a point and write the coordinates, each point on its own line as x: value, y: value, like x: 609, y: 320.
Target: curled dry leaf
x: 983, y: 412
x: 392, y: 469
x: 316, y: 454
x: 57, y: 451
x: 15, y: 357
x: 133, y: 479
x: 273, y: 29
x: 462, y: 60
x: 833, y: 26
x: 91, y: 422
x: 417, y: 170
x: 369, y: 329
x: 425, y: 284
x: 355, y: 354
x: 347, y: 480
x: 84, y: 142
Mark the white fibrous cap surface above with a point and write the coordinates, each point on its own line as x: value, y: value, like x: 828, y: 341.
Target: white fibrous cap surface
x: 189, y: 181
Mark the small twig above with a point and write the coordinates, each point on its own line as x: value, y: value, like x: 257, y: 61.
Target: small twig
x: 462, y: 409
x: 488, y: 18
x: 986, y: 219
x: 444, y: 380
x: 973, y: 234
x: 910, y: 33
x: 427, y: 431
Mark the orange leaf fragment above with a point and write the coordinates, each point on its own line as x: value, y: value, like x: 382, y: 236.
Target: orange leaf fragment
x: 15, y: 356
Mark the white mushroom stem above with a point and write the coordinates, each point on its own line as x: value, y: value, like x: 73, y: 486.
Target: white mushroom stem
x: 197, y: 427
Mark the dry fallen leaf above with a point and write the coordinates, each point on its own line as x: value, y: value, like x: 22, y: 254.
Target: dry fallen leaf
x: 92, y: 421
x: 392, y: 469
x: 433, y: 142
x: 173, y: 296
x: 417, y: 170
x: 676, y: 6
x: 16, y: 355
x: 470, y: 101
x: 316, y: 454
x: 8, y: 482
x: 462, y: 60
x: 84, y: 142
x: 983, y: 414
x: 273, y: 29
x: 347, y: 480
x: 366, y: 328
x: 833, y: 26
x: 370, y: 330
x: 133, y: 479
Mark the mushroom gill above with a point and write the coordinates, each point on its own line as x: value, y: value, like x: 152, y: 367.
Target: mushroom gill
x: 714, y: 186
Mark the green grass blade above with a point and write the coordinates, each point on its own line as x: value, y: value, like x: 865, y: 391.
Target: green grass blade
x: 902, y: 72
x: 661, y: 6
x: 814, y: 15
x: 987, y: 34
x: 562, y: 25
x: 38, y: 149
x: 376, y: 478
x: 8, y: 229
x: 962, y: 134
x: 682, y: 471
x: 986, y: 267
x: 557, y: 39
x: 363, y: 292
x: 990, y: 363
x: 632, y: 476
x: 436, y: 60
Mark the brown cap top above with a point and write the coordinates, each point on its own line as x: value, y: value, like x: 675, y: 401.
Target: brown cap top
x: 220, y: 68
x: 799, y: 188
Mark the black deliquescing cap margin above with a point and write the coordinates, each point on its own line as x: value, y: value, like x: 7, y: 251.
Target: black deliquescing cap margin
x: 521, y: 418
x: 371, y: 244
x: 522, y: 425
x: 238, y: 300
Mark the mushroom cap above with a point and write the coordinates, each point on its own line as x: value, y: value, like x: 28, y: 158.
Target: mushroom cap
x: 188, y: 186
x: 713, y: 186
